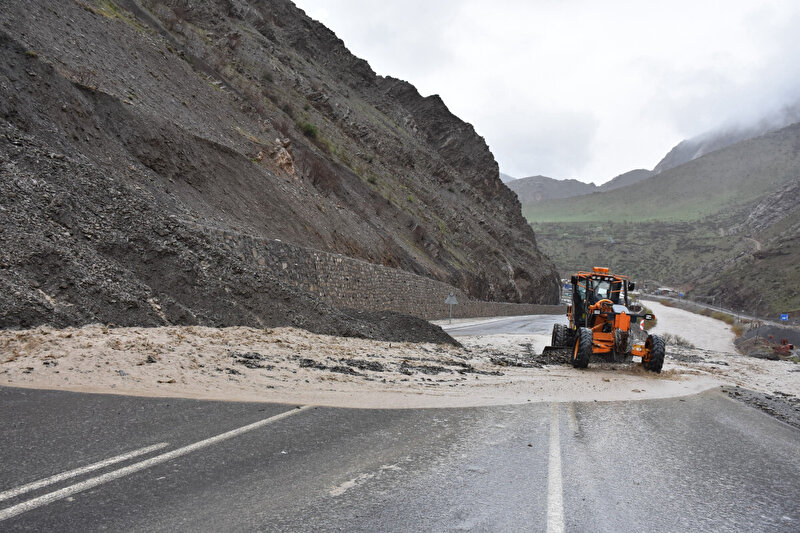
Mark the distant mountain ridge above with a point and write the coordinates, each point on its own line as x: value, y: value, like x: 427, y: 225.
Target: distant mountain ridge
x: 535, y: 189
x: 719, y: 138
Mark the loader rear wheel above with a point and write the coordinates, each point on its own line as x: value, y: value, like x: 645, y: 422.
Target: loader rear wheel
x: 582, y: 349
x: 655, y: 345
x: 560, y: 334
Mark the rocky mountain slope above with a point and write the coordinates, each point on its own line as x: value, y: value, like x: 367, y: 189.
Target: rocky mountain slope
x: 723, y: 227
x: 537, y: 189
x: 130, y: 126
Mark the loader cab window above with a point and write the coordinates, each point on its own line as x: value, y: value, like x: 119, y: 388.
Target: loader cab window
x: 605, y: 290
x: 601, y: 289
x: 578, y: 297
x: 616, y: 292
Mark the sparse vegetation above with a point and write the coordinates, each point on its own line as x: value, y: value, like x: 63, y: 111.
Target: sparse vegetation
x: 283, y: 127
x: 725, y: 317
x: 649, y: 324
x: 308, y: 129
x: 288, y: 109
x: 676, y: 340
x: 321, y: 175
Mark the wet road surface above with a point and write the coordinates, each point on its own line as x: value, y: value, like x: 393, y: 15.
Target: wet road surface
x: 527, y: 325
x: 702, y: 462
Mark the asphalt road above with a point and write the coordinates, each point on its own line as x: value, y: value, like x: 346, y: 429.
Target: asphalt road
x: 531, y: 324
x: 701, y: 463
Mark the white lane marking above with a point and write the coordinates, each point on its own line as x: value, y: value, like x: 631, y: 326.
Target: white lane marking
x: 361, y: 478
x: 448, y: 327
x: 555, y: 497
x: 347, y: 485
x: 5, y: 514
x: 13, y: 493
x: 573, y: 419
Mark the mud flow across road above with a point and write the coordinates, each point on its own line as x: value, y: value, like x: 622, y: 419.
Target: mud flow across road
x: 292, y: 365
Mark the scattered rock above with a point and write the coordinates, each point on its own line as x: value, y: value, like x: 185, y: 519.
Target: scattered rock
x: 782, y: 406
x: 361, y: 364
x: 510, y: 360
x: 344, y: 370
x: 251, y: 360
x: 431, y: 370
x: 310, y: 363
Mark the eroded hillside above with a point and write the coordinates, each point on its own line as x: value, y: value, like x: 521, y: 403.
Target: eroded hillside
x: 131, y: 126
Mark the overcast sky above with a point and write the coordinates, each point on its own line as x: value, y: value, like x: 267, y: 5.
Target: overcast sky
x: 582, y: 89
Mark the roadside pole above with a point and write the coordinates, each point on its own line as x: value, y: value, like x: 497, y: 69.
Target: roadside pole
x: 451, y: 301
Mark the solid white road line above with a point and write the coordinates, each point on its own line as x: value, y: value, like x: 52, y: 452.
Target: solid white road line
x: 448, y: 327
x: 13, y: 493
x: 5, y: 514
x: 555, y: 497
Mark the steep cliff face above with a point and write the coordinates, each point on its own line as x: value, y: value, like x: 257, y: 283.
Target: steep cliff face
x: 244, y: 116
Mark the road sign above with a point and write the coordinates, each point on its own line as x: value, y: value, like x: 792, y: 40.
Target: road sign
x: 451, y: 301
x: 785, y: 317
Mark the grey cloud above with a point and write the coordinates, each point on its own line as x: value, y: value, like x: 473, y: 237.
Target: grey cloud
x: 582, y: 89
x: 551, y: 143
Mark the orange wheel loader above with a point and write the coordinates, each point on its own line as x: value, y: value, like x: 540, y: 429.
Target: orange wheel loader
x: 600, y: 323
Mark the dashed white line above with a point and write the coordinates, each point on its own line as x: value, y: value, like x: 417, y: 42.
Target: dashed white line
x: 136, y: 467
x: 555, y: 496
x: 13, y: 493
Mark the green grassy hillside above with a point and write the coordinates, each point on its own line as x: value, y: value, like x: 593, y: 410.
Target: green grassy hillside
x: 721, y: 181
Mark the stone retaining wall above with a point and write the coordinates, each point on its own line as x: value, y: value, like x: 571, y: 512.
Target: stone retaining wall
x: 350, y: 283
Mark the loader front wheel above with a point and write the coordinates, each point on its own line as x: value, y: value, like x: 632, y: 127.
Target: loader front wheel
x: 655, y: 346
x: 582, y: 349
x: 621, y: 353
x: 560, y: 334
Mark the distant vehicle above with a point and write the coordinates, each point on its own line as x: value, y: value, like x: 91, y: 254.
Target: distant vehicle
x: 600, y: 323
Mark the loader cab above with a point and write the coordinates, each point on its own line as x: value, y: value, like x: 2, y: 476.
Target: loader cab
x: 590, y: 287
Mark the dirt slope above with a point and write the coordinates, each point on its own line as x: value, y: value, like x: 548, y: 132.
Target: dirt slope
x: 128, y: 125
